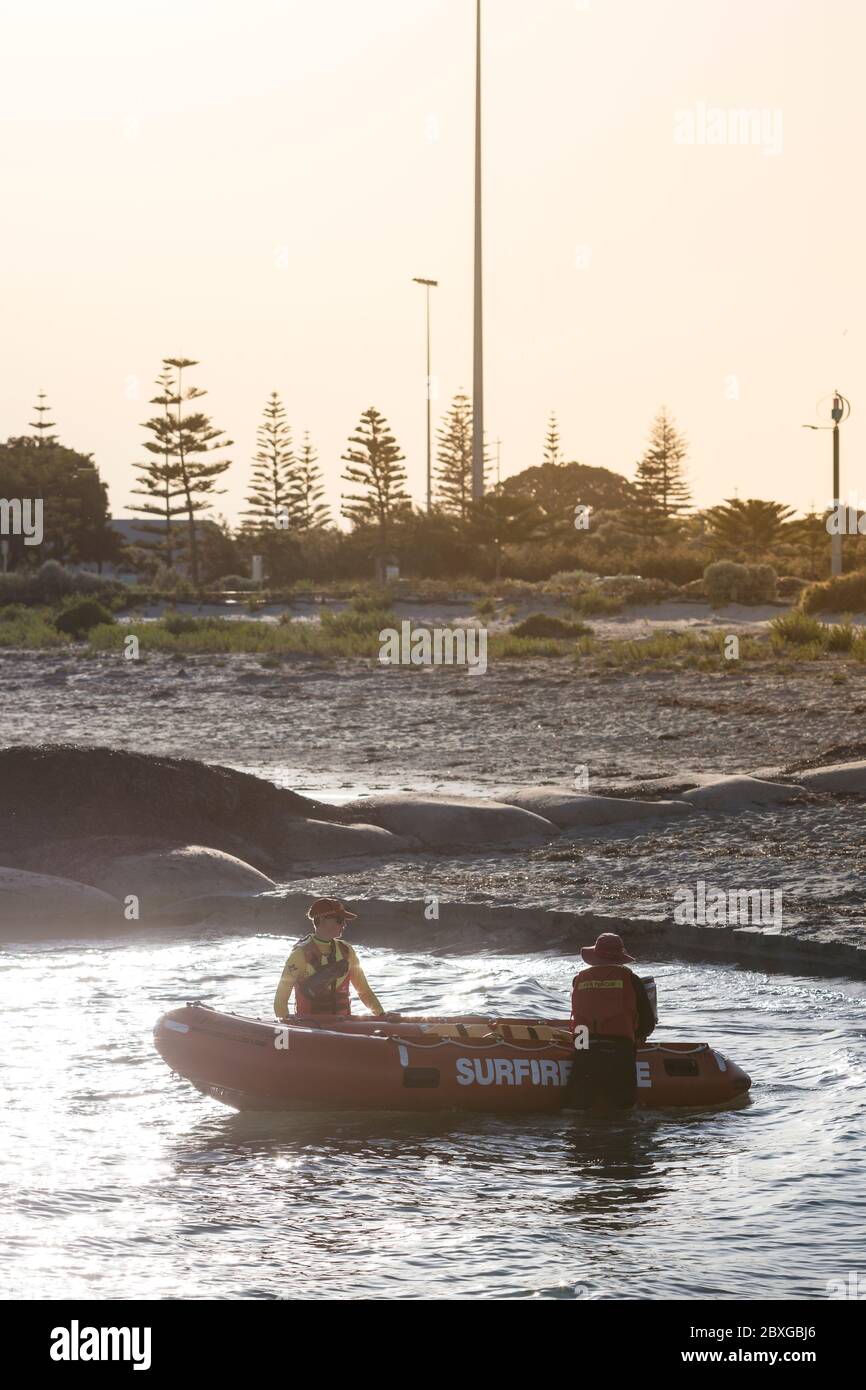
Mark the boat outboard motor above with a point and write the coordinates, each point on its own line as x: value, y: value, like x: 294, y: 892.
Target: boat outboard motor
x: 649, y: 985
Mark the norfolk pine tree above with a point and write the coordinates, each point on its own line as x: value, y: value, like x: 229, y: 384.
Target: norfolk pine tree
x: 660, y: 477
x: 375, y: 465
x: 194, y: 438
x: 454, y: 471
x: 159, y: 480
x: 40, y: 424
x: 552, y: 450
x: 273, y: 476
x: 309, y: 509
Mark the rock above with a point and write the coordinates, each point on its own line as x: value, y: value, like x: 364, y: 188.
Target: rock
x: 162, y: 876
x: 318, y: 840
x: 55, y: 791
x: 572, y: 810
x: 838, y: 777
x: 672, y: 786
x: 442, y: 822
x: 42, y: 904
x: 739, y: 794
x: 156, y: 871
x: 233, y: 911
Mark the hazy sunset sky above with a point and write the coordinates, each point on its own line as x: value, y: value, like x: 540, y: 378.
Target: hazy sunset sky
x: 255, y: 185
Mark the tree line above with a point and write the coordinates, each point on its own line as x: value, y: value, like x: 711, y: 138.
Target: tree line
x: 554, y: 515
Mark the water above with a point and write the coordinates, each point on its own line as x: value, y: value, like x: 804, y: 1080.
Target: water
x: 120, y: 1181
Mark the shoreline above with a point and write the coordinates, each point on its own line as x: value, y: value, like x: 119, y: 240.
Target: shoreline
x: 471, y: 929
x: 466, y: 929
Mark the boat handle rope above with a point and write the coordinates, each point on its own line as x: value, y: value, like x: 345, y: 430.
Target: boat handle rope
x: 467, y: 1042
x: 517, y: 1047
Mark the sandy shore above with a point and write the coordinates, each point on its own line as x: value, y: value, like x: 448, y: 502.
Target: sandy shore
x: 335, y: 728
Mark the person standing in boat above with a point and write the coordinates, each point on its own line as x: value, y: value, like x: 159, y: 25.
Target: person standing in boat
x: 613, y: 1006
x: 322, y: 967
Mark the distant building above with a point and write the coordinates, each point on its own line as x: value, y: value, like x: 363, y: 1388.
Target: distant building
x: 145, y: 533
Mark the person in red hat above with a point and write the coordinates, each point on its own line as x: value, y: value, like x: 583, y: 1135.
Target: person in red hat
x: 612, y: 1005
x: 322, y: 967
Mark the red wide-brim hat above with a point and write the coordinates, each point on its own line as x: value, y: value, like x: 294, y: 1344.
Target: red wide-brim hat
x: 326, y: 907
x: 608, y: 950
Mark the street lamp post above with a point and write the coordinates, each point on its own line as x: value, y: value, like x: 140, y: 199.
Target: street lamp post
x: 478, y: 343
x: 839, y: 411
x: 836, y: 546
x: 428, y: 284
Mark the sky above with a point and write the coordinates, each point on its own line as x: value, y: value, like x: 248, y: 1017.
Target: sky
x: 254, y: 186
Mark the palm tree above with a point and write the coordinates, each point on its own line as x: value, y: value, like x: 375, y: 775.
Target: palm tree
x: 752, y: 526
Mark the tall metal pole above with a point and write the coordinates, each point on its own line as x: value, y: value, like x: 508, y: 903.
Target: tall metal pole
x: 836, y: 540
x: 428, y: 284
x: 839, y: 517
x: 429, y: 470
x: 478, y: 344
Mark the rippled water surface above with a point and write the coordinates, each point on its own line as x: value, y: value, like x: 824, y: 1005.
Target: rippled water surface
x: 120, y: 1180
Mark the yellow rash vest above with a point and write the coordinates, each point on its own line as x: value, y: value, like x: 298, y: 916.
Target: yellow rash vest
x: 312, y: 956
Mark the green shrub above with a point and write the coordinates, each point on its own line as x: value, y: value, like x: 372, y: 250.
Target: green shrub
x: 790, y: 586
x: 371, y: 601
x: 565, y: 582
x: 672, y: 566
x: 52, y: 582
x: 797, y: 629
x: 694, y: 589
x: 543, y: 625
x: 238, y: 583
x: 726, y: 581
x: 633, y: 588
x: 840, y: 638
x: 23, y: 626
x: 593, y: 603
x: 845, y: 594
x: 506, y: 647
x: 365, y: 623
x: 78, y: 616
x: 167, y: 580
x: 177, y: 623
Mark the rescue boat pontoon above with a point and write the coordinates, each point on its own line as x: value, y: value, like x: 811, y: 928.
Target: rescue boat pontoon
x: 470, y: 1063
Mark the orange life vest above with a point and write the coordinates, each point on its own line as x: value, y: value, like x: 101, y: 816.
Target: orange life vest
x: 604, y: 1001
x: 334, y: 999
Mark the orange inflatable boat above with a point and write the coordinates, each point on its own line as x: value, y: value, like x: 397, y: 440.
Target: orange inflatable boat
x: 470, y: 1063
